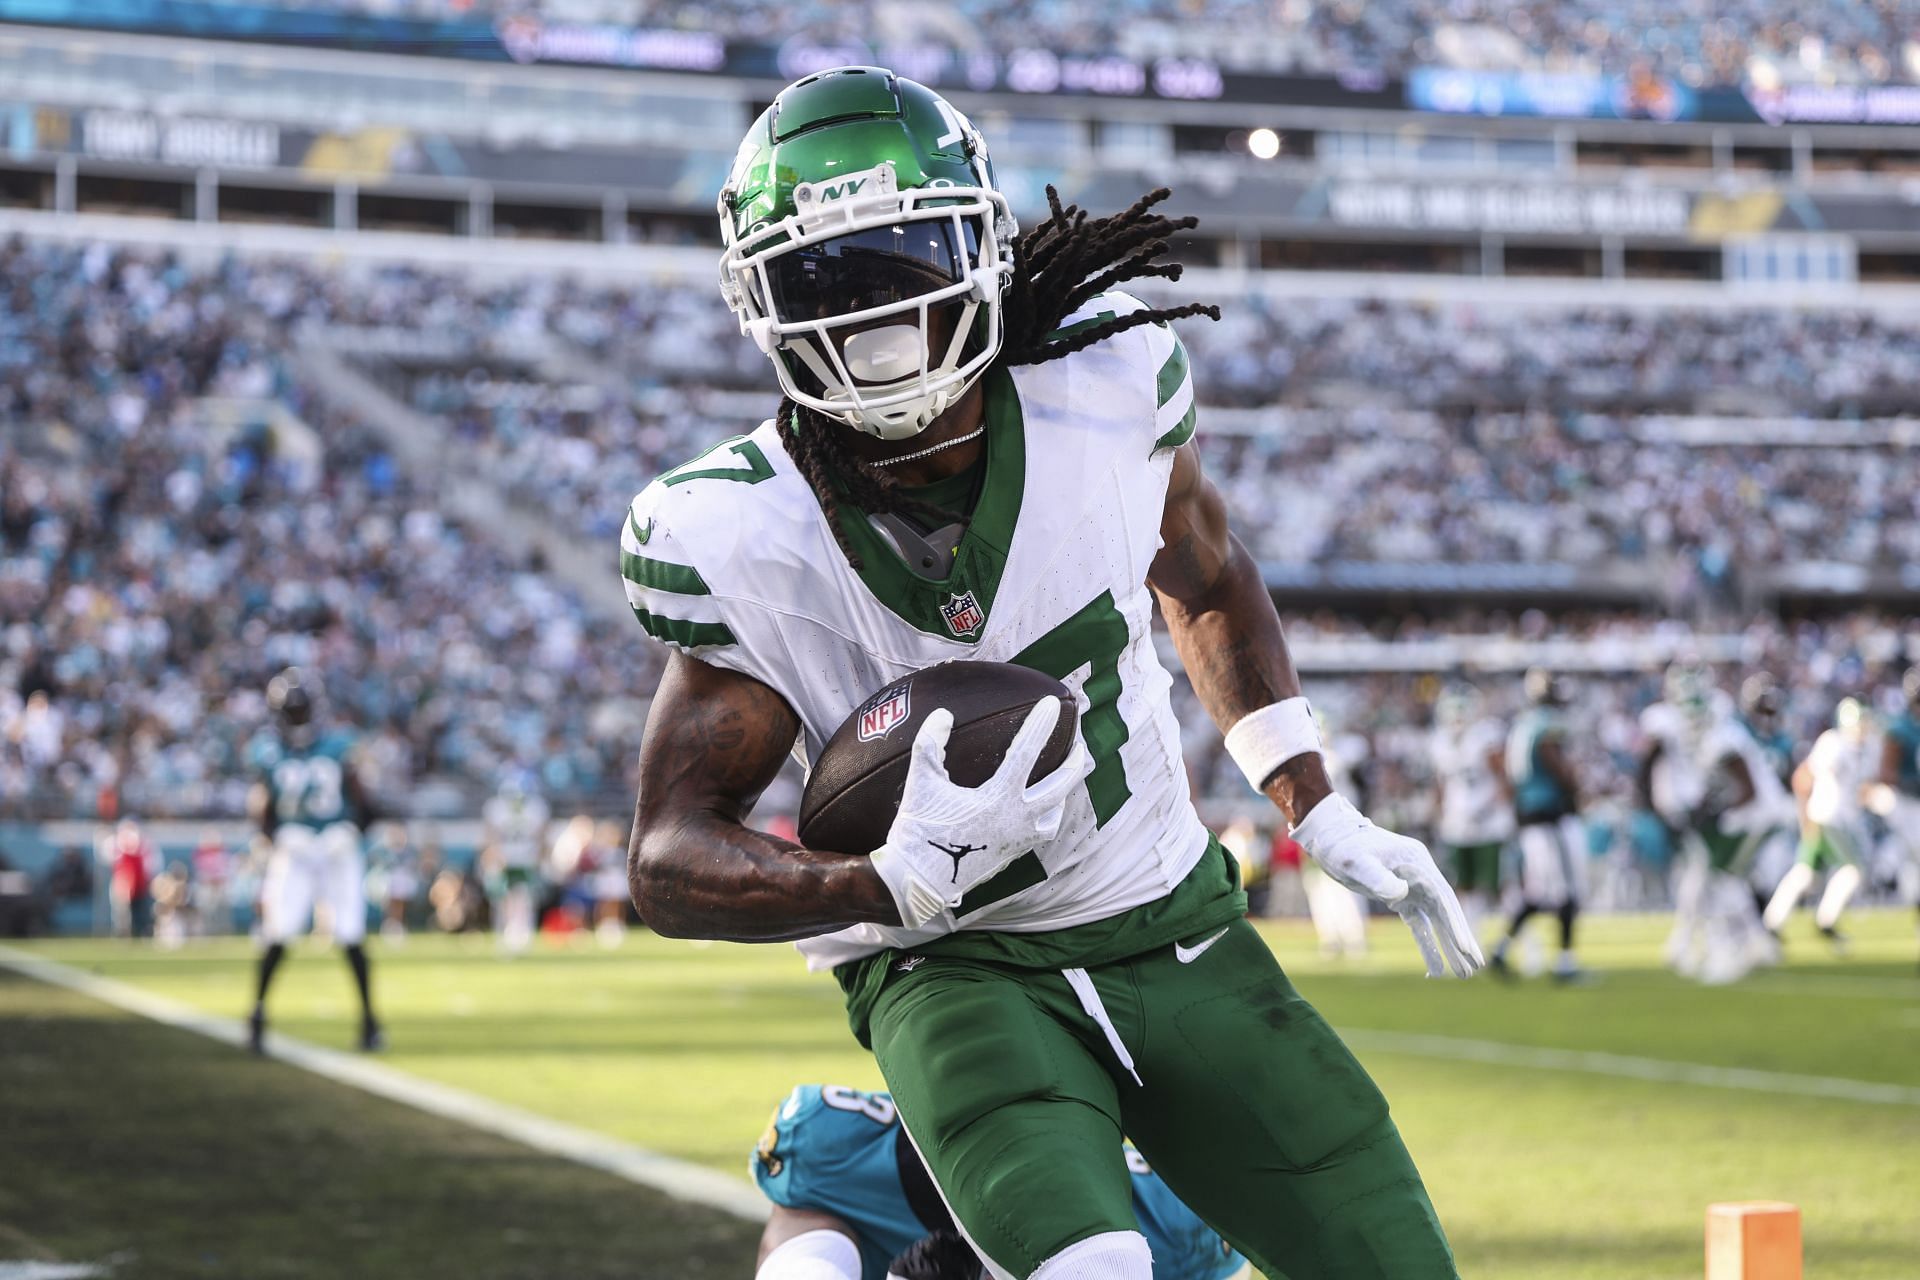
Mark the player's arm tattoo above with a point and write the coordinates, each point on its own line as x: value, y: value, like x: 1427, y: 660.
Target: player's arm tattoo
x: 1224, y: 624
x: 714, y: 740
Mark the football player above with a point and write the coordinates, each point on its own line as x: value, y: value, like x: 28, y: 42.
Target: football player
x: 516, y: 824
x: 850, y: 1193
x: 1546, y: 805
x: 983, y: 451
x: 1829, y: 785
x: 1895, y: 795
x: 1730, y: 803
x: 1475, y: 807
x: 310, y: 804
x: 1762, y: 716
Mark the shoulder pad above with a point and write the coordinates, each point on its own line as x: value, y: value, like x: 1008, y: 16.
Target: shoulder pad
x: 1661, y: 720
x: 664, y: 588
x: 1163, y: 358
x: 686, y: 508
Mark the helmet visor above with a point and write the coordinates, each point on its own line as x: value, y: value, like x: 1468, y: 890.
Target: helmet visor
x: 877, y: 267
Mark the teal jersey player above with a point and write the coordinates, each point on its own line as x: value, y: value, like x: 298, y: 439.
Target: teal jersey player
x: 844, y: 1153
x: 1903, y: 738
x: 306, y: 780
x: 1538, y: 794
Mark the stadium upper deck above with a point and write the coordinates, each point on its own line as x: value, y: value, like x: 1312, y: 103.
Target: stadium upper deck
x: 1697, y: 42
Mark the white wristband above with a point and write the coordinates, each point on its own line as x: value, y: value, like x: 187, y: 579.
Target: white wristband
x: 1266, y: 739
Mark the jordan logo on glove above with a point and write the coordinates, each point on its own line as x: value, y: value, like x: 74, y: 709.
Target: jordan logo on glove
x: 956, y: 852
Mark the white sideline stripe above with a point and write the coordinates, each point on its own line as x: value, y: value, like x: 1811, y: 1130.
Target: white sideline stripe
x: 1660, y: 1070
x: 49, y: 1271
x: 677, y: 1178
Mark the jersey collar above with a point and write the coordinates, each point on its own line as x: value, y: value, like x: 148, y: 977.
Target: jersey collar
x: 928, y: 604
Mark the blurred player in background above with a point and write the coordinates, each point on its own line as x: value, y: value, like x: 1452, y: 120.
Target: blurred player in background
x: 1727, y: 803
x: 1671, y: 783
x: 1828, y: 786
x: 516, y: 825
x: 1761, y: 716
x: 1546, y: 803
x: 309, y: 803
x: 1476, y: 800
x: 1895, y: 795
x: 850, y: 1194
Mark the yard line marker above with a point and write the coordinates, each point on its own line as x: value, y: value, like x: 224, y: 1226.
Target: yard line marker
x: 1660, y: 1070
x: 677, y: 1178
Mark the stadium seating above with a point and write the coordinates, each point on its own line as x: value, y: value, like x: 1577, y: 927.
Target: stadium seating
x: 1850, y: 41
x: 184, y: 513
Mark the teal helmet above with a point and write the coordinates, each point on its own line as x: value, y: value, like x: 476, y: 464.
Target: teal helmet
x: 863, y: 228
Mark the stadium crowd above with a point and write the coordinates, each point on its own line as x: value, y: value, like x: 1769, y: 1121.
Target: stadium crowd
x: 1765, y: 41
x: 182, y: 516
x: 160, y: 557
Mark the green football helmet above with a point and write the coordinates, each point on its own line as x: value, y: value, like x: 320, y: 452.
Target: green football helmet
x: 863, y: 227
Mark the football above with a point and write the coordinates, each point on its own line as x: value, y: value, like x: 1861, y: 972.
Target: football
x: 856, y: 784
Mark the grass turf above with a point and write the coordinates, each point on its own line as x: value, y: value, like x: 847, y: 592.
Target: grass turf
x: 1539, y: 1174
x: 161, y: 1154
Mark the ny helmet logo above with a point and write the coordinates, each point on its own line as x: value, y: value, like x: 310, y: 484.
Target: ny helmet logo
x: 963, y: 614
x: 848, y: 188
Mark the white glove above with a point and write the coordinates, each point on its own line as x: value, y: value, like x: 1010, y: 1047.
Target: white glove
x: 1395, y: 871
x: 946, y: 839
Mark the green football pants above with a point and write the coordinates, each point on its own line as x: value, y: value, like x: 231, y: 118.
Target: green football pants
x: 1016, y: 1089
x: 1477, y: 866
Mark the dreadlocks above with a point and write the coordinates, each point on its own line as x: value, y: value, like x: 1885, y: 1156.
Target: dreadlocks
x: 1057, y: 267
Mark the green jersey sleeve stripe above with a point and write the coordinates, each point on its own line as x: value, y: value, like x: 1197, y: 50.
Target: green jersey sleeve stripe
x: 688, y: 635
x: 1173, y: 373
x: 1180, y: 432
x: 662, y: 575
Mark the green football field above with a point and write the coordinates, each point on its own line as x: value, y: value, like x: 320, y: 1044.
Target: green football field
x: 1564, y: 1132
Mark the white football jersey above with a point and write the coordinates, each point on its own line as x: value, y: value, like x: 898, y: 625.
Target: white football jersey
x: 1677, y: 781
x: 1772, y: 804
x: 519, y: 824
x: 1473, y: 806
x: 1839, y: 764
x: 730, y: 558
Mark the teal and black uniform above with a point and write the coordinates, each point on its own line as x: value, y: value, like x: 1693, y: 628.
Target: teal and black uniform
x: 1904, y: 732
x: 1538, y: 796
x: 306, y: 781
x: 844, y: 1152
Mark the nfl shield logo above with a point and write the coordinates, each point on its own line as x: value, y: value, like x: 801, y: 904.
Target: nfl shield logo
x: 963, y: 614
x: 884, y: 714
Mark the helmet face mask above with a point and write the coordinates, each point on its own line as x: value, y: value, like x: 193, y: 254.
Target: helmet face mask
x: 876, y: 291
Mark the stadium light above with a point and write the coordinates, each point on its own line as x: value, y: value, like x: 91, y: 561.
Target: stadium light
x: 1264, y: 143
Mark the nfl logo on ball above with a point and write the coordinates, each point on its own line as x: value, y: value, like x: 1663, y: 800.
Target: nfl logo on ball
x: 963, y: 614
x: 880, y: 717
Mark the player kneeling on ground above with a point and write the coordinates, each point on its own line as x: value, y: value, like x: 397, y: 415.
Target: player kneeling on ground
x: 309, y: 803
x: 984, y: 452
x: 850, y: 1194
